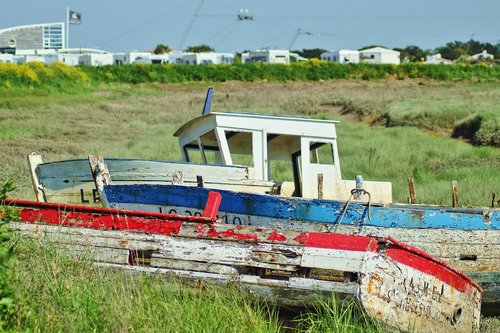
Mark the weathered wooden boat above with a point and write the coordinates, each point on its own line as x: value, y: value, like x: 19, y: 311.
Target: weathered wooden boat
x: 240, y: 152
x: 318, y: 199
x: 70, y: 181
x: 398, y: 284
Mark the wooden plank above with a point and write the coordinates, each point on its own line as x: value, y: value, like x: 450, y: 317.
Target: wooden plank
x: 94, y: 253
x: 100, y: 175
x: 413, y: 191
x: 454, y: 193
x: 34, y: 160
x: 158, y: 261
x: 272, y: 256
x: 320, y: 185
x: 221, y: 252
x: 348, y: 261
x: 292, y: 292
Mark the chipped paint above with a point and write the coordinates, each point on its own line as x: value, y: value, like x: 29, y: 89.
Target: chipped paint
x: 400, y: 285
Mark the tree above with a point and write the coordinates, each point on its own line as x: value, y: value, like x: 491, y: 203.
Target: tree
x: 370, y: 47
x: 161, y: 48
x: 413, y: 53
x: 453, y: 50
x: 200, y: 48
x: 310, y: 53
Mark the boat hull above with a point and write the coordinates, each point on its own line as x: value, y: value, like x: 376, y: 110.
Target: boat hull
x: 402, y: 286
x: 468, y: 239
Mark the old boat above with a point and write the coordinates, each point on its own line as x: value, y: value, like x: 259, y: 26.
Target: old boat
x: 70, y: 181
x: 398, y: 284
x: 317, y: 198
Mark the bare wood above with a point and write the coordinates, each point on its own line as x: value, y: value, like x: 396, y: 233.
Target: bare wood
x: 320, y: 186
x: 100, y: 171
x: 192, y: 266
x: 177, y: 178
x: 98, y: 254
x: 100, y: 174
x: 454, y: 193
x: 34, y: 160
x: 413, y: 191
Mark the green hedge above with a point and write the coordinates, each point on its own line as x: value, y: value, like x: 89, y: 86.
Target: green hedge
x: 303, y: 71
x: 61, y: 76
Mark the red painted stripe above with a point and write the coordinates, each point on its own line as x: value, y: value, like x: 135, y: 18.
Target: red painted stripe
x: 170, y: 224
x: 231, y: 234
x: 101, y: 221
x: 338, y: 241
x: 276, y: 237
x: 100, y: 210
x: 424, y: 262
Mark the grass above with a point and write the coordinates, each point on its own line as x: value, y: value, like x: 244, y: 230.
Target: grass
x: 334, y: 316
x: 138, y: 121
x: 65, y: 294
x: 61, y: 294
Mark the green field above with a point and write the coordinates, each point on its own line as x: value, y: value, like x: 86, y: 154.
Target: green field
x: 138, y: 120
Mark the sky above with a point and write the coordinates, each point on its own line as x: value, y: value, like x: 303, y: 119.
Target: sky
x: 134, y: 25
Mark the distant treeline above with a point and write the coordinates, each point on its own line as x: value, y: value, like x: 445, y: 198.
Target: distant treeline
x: 61, y: 76
x: 456, y: 50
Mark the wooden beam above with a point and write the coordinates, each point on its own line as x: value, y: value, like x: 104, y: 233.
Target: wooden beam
x: 454, y: 193
x: 413, y: 191
x: 34, y: 160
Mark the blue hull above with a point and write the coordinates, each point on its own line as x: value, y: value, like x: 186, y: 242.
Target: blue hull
x: 322, y: 212
x: 466, y: 238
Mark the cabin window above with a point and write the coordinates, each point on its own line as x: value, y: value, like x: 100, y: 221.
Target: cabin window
x: 240, y: 147
x: 281, y: 170
x: 321, y: 153
x: 194, y: 155
x: 206, y: 151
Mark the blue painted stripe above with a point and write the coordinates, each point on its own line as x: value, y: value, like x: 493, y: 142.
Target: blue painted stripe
x: 299, y: 209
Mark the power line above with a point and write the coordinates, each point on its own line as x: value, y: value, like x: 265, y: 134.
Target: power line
x: 226, y: 35
x: 145, y: 24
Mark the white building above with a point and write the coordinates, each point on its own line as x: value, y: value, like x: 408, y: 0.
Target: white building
x: 162, y: 58
x: 119, y: 58
x: 483, y: 56
x: 138, y: 58
x: 437, y: 59
x: 379, y: 55
x: 269, y: 56
x: 201, y: 58
x: 225, y: 58
x: 45, y: 58
x: 69, y: 59
x: 96, y: 59
x: 207, y: 58
x: 343, y: 56
x: 176, y: 57
x: 6, y: 58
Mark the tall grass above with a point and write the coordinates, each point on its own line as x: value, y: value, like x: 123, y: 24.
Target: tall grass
x: 61, y: 294
x: 336, y: 316
x: 117, y: 121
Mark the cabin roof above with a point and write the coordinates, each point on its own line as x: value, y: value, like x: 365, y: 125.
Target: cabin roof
x: 279, y: 124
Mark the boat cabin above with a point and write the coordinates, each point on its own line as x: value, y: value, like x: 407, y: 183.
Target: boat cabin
x: 298, y: 154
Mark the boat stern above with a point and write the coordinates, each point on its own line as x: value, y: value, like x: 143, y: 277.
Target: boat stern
x: 413, y: 291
